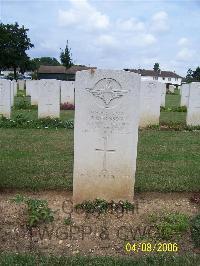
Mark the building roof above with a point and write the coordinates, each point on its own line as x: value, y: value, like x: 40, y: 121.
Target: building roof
x: 62, y: 70
x: 153, y: 73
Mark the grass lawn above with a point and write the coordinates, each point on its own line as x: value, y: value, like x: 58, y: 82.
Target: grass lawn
x: 175, y: 117
x: 43, y: 159
x: 173, y: 100
x: 32, y: 260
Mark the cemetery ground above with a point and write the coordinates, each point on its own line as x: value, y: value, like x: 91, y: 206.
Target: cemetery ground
x: 38, y: 164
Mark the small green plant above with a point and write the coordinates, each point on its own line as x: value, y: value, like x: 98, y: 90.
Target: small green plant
x: 195, y: 230
x: 67, y: 221
x: 170, y: 225
x: 38, y: 210
x: 102, y: 206
x: 20, y: 121
x: 174, y: 109
x: 22, y: 102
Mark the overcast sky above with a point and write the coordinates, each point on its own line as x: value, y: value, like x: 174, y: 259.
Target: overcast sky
x: 111, y: 33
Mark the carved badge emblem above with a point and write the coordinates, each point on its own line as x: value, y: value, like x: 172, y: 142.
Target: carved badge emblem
x: 107, y: 90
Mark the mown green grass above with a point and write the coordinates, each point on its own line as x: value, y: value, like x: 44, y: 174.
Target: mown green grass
x: 168, y: 161
x: 172, y: 117
x: 43, y: 159
x: 36, y: 159
x: 32, y: 260
x: 172, y: 100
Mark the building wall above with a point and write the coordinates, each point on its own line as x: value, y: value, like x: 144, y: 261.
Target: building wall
x: 166, y: 80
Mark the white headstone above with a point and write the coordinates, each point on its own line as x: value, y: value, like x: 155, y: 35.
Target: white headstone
x: 163, y: 94
x: 150, y: 100
x: 15, y: 87
x: 49, y: 99
x: 5, y: 98
x: 172, y: 88
x: 29, y: 87
x: 32, y: 89
x: 21, y: 84
x: 67, y: 92
x: 193, y: 112
x: 106, y: 135
x: 12, y: 93
x: 184, y: 94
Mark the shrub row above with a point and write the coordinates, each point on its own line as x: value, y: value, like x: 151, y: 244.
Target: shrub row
x: 21, y: 122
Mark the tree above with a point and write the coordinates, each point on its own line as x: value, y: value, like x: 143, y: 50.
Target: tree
x: 196, y: 74
x: 156, y: 67
x: 14, y: 43
x: 35, y: 63
x: 193, y: 75
x: 189, y: 76
x: 66, y: 57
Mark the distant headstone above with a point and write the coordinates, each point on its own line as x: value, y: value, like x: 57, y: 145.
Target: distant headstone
x: 21, y: 84
x: 67, y: 92
x: 12, y: 92
x: 163, y: 94
x: 172, y: 88
x: 184, y: 94
x: 49, y: 99
x: 14, y: 87
x: 32, y: 89
x: 150, y: 100
x: 106, y: 135
x: 5, y: 98
x: 193, y: 112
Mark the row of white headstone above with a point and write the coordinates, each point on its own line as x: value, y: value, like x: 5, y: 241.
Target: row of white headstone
x: 107, y: 114
x: 190, y: 97
x: 48, y: 94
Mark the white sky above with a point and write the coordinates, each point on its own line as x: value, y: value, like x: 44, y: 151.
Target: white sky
x: 111, y: 33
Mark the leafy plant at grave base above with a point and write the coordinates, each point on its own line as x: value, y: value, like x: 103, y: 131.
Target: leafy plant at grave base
x: 153, y: 126
x: 172, y: 126
x: 195, y: 230
x: 174, y: 109
x: 67, y: 106
x: 21, y: 93
x: 67, y: 221
x: 22, y: 103
x: 21, y: 121
x: 170, y: 225
x: 102, y: 206
x: 38, y: 210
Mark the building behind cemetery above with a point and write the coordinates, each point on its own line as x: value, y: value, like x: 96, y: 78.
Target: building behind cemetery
x: 60, y: 72
x: 167, y: 77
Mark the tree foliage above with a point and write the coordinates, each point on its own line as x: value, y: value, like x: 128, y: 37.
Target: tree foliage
x: 14, y: 43
x: 45, y: 61
x: 156, y: 67
x: 66, y: 57
x: 193, y: 76
x: 189, y: 76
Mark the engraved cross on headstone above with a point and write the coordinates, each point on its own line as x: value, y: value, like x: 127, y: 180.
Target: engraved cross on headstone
x: 105, y: 150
